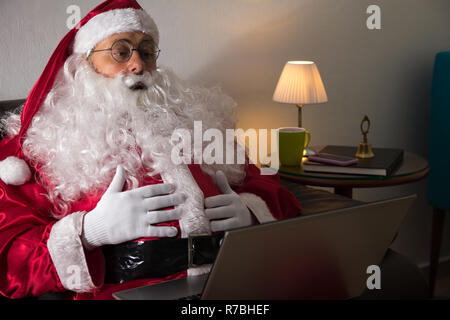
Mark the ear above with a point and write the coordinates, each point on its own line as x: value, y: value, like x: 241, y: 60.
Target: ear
x: 14, y: 171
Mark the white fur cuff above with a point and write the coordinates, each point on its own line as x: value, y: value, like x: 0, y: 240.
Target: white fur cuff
x: 258, y: 207
x: 67, y: 253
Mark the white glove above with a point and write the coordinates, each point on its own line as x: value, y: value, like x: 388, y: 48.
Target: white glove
x: 227, y: 206
x: 124, y: 216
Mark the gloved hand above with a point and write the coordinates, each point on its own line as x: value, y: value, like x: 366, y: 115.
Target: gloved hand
x: 227, y: 206
x: 129, y: 215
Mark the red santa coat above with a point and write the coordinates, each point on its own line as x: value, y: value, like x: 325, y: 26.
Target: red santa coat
x: 40, y: 254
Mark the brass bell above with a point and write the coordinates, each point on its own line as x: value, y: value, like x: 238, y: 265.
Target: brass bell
x: 365, y: 149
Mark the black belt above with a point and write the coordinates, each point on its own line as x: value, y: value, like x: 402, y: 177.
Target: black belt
x: 158, y: 258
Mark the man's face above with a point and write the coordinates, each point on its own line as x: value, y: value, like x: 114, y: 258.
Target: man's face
x: 106, y: 62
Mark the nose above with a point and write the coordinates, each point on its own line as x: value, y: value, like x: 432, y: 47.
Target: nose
x: 135, y: 64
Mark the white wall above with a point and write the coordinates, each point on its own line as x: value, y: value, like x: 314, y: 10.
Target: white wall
x: 243, y: 45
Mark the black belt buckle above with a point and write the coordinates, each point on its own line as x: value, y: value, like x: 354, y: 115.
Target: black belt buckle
x: 191, y: 248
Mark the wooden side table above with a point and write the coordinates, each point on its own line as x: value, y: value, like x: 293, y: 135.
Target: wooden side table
x: 413, y: 168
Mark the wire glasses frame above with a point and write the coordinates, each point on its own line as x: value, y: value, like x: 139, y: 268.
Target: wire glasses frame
x: 122, y: 50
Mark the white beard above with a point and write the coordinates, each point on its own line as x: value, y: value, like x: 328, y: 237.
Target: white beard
x: 89, y: 124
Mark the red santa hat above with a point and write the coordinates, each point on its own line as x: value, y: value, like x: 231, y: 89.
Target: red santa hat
x: 110, y: 17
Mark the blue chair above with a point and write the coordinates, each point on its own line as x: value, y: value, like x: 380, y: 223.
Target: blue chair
x: 439, y: 157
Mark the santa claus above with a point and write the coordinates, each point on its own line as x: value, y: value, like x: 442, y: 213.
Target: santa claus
x: 90, y: 200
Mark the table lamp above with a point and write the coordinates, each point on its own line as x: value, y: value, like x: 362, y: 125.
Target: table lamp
x: 300, y: 83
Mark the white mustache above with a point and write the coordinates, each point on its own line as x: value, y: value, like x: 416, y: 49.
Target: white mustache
x: 134, y: 81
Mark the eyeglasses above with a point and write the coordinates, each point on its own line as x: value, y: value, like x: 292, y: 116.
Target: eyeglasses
x: 122, y: 50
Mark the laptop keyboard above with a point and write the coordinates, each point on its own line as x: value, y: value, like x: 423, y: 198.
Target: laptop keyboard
x: 193, y: 297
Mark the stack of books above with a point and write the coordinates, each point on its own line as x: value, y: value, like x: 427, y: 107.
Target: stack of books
x: 385, y: 162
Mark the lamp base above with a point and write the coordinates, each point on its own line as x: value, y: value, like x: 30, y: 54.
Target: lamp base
x: 300, y: 106
x: 308, y: 150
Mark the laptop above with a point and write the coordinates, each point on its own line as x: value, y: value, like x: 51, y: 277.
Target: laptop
x: 320, y: 256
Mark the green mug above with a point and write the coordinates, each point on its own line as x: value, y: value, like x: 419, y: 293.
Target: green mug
x: 292, y: 142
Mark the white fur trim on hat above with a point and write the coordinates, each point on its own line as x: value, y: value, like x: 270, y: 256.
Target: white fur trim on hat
x: 14, y: 171
x: 111, y: 22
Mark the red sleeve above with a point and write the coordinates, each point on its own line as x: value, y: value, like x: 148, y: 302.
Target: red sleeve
x: 25, y: 264
x: 38, y: 253
x: 280, y: 201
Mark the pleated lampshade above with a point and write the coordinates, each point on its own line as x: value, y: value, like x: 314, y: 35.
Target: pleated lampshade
x: 300, y: 83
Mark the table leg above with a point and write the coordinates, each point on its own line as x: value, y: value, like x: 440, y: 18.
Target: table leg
x: 436, y: 238
x: 344, y: 191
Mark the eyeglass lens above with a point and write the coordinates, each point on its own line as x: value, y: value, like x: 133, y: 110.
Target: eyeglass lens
x: 122, y: 51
